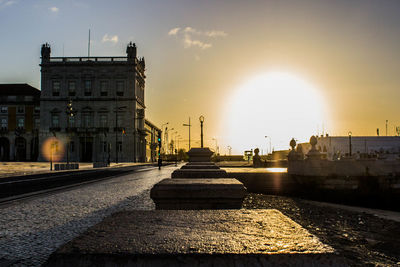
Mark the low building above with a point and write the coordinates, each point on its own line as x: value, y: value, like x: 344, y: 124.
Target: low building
x: 19, y: 122
x: 336, y: 146
x: 153, y: 133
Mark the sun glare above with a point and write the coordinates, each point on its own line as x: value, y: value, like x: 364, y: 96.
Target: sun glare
x: 278, y: 105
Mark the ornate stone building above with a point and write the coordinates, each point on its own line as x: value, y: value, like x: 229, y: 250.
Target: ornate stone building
x: 19, y: 122
x: 94, y: 107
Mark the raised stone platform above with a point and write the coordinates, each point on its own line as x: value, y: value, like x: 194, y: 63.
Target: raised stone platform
x: 199, y: 173
x: 196, y: 238
x: 195, y: 194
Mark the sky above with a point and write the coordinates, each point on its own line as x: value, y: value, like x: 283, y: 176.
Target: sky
x: 203, y: 57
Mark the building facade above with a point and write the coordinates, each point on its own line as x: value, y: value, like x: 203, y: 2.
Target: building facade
x: 19, y: 122
x: 94, y: 107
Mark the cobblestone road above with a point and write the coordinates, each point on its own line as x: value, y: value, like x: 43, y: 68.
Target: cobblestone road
x: 30, y: 231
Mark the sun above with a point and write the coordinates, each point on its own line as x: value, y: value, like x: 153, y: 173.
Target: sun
x: 275, y: 104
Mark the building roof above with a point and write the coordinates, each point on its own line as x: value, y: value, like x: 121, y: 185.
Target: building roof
x: 18, y: 89
x: 146, y: 121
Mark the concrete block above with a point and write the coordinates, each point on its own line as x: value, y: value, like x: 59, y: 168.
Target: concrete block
x: 198, y: 194
x: 197, y: 154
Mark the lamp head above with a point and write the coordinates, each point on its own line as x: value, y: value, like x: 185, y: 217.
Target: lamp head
x: 201, y: 118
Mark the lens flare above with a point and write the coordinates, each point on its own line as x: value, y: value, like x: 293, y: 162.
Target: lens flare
x: 53, y: 149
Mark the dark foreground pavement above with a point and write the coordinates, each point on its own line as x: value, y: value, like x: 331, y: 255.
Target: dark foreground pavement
x: 263, y: 237
x: 269, y: 231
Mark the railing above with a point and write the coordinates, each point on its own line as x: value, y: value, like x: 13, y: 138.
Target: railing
x: 88, y: 59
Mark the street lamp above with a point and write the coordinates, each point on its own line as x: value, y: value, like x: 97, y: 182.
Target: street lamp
x: 216, y: 145
x: 116, y: 133
x: 230, y: 149
x: 269, y: 143
x: 350, y: 143
x: 201, y: 119
x: 70, y: 114
x: 172, y: 141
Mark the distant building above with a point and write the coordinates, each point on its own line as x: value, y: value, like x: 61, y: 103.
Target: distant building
x: 19, y: 122
x: 339, y: 145
x: 106, y: 95
x: 153, y: 132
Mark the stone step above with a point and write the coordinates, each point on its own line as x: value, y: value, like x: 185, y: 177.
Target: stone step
x: 199, y: 173
x: 198, y: 194
x: 201, y: 167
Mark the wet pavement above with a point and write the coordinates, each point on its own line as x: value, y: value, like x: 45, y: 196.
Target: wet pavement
x: 31, y: 230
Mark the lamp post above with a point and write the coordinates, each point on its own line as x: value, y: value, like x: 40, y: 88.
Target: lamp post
x: 166, y: 137
x: 201, y: 119
x: 230, y: 149
x: 188, y: 125
x: 70, y: 114
x: 350, y: 143
x: 176, y: 144
x: 162, y: 126
x: 267, y: 136
x: 116, y: 132
x: 216, y: 145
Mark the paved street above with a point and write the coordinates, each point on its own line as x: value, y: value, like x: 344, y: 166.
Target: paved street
x: 30, y: 231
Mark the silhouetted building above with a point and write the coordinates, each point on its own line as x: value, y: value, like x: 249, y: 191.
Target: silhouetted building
x: 106, y: 96
x: 19, y: 122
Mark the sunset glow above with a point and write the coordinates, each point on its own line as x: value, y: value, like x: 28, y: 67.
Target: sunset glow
x: 275, y: 104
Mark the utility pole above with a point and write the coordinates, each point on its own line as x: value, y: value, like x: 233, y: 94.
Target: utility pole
x: 386, y: 126
x: 188, y: 125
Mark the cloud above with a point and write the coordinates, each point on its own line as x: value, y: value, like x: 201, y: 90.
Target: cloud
x: 193, y: 38
x: 216, y: 34
x: 4, y: 3
x: 188, y: 42
x: 54, y: 9
x: 174, y: 31
x: 112, y: 39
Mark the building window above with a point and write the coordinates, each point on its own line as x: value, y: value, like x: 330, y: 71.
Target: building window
x: 88, y: 88
x: 4, y: 110
x: 37, y: 123
x: 120, y: 119
x: 55, y: 120
x: 21, y: 122
x: 103, y: 88
x: 71, y: 146
x: 103, y: 120
x: 21, y: 109
x: 104, y: 146
x: 119, y: 146
x: 28, y: 98
x: 71, y: 88
x: 120, y: 88
x: 4, y: 123
x: 37, y: 110
x: 56, y: 88
x: 87, y: 120
x: 71, y: 121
